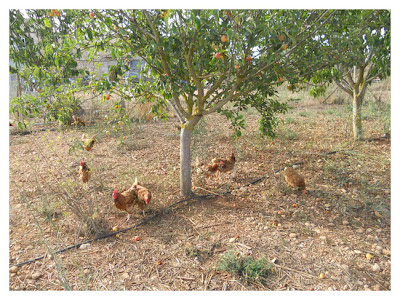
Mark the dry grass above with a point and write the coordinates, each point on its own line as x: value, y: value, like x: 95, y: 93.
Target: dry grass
x: 344, y: 215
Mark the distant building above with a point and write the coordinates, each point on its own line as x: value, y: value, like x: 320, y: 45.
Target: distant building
x: 98, y: 67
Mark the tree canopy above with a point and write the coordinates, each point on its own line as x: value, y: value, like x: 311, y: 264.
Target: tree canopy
x: 359, y: 48
x: 361, y: 39
x: 185, y: 53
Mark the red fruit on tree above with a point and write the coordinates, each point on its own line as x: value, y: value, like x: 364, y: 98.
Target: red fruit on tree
x: 217, y: 55
x: 164, y: 13
x: 248, y: 58
x: 237, y: 67
x: 91, y: 15
x: 224, y: 38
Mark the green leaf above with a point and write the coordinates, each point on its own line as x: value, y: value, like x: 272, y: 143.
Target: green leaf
x: 229, y: 33
x: 47, y: 22
x: 291, y: 37
x: 90, y: 34
x: 108, y: 21
x: 198, y: 22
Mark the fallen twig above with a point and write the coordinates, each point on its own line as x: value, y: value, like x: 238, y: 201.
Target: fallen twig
x: 244, y: 246
x: 211, y: 192
x: 186, y: 278
x: 294, y: 270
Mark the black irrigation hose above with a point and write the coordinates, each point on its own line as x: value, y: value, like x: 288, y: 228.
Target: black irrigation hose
x: 160, y: 212
x: 26, y: 132
x: 385, y: 136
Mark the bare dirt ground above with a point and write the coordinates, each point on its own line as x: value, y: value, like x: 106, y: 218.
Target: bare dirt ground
x: 344, y: 215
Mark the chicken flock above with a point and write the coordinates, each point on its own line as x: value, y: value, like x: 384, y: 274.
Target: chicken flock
x: 217, y: 165
x: 140, y: 196
x: 136, y: 195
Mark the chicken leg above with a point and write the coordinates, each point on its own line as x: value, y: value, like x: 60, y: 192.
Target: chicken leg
x: 129, y: 216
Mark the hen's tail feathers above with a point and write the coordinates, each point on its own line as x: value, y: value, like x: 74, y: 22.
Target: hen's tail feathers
x: 135, y: 184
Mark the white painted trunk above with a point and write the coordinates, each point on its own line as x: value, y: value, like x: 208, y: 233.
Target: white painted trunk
x: 357, y: 128
x: 186, y: 168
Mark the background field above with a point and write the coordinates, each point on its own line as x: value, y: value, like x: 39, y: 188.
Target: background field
x: 197, y: 245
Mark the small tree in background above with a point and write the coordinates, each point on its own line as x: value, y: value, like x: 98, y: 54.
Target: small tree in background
x: 359, y: 47
x: 44, y: 60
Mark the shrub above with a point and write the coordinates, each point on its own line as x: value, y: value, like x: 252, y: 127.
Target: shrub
x: 246, y: 267
x: 290, y: 135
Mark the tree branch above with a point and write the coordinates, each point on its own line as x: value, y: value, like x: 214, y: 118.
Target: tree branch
x: 176, y: 110
x: 179, y: 107
x: 140, y: 28
x: 226, y: 100
x: 350, y: 79
x: 215, y: 86
x: 360, y: 78
x: 296, y: 46
x: 347, y: 90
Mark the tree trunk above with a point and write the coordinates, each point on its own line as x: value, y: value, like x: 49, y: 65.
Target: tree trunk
x: 357, y: 129
x: 186, y: 167
x: 19, y: 94
x: 356, y: 87
x: 19, y: 88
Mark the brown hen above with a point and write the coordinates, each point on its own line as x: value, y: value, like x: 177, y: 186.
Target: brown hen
x: 84, y: 172
x: 88, y: 143
x: 143, y: 195
x: 226, y: 165
x: 77, y: 121
x: 126, y: 201
x: 293, y: 179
